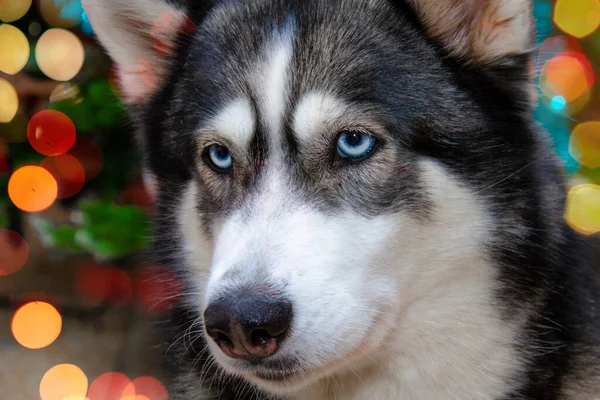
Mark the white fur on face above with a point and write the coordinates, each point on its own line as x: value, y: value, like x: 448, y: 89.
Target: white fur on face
x: 314, y: 110
x: 235, y: 122
x: 407, y: 306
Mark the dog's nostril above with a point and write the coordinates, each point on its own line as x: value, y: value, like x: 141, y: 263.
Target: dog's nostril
x: 222, y: 339
x: 248, y: 326
x: 260, y: 337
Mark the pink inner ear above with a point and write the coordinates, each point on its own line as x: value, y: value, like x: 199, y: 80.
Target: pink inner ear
x: 139, y: 82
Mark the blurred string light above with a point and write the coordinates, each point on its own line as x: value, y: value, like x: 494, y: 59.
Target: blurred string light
x: 14, y: 252
x: 59, y: 54
x: 12, y: 10
x: 14, y: 49
x: 558, y: 102
x: 32, y: 188
x: 62, y: 382
x: 578, y: 18
x: 583, y: 208
x: 36, y: 325
x: 68, y: 173
x: 51, y: 133
x: 9, y: 101
x: 585, y: 144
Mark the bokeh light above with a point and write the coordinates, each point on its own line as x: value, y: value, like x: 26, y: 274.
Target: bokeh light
x: 32, y: 188
x: 51, y: 133
x: 14, y: 252
x: 583, y: 208
x: 9, y: 101
x: 12, y: 10
x: 569, y: 75
x: 36, y: 325
x: 68, y: 172
x: 62, y: 382
x: 558, y: 102
x: 157, y: 289
x: 53, y: 12
x: 148, y: 387
x: 585, y: 144
x: 109, y: 386
x: 102, y: 284
x: 59, y: 54
x: 14, y: 49
x: 89, y: 153
x: 4, y: 167
x: 578, y: 18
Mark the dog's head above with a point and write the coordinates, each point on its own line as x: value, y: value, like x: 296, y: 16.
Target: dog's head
x: 335, y: 174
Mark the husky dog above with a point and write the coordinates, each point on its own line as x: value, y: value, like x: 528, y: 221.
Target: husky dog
x: 357, y: 200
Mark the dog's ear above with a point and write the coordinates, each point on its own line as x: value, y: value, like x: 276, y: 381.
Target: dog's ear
x: 485, y: 31
x: 138, y: 35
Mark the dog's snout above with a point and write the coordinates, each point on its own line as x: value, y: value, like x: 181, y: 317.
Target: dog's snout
x: 248, y: 326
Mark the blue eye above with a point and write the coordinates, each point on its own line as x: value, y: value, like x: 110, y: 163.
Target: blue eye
x: 220, y: 157
x: 352, y: 144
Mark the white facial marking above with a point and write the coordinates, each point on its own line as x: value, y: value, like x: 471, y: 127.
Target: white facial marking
x: 235, y: 122
x: 275, y: 87
x: 313, y: 111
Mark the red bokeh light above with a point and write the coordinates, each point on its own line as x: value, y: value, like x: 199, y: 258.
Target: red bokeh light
x: 147, y: 386
x: 89, y: 154
x: 51, y: 133
x: 103, y: 284
x: 109, y: 386
x: 14, y: 252
x: 68, y: 172
x: 157, y: 289
x: 3, y: 157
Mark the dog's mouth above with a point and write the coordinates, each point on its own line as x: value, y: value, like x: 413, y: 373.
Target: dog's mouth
x: 275, y: 376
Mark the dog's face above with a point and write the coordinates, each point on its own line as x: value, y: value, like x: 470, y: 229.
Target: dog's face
x: 319, y: 165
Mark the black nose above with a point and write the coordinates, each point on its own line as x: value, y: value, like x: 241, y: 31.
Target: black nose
x: 248, y: 326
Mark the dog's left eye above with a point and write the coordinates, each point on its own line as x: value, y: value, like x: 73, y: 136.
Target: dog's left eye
x: 220, y: 157
x: 355, y: 145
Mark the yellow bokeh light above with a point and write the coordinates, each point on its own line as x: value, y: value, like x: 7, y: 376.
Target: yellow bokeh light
x: 64, y: 381
x: 14, y: 49
x: 584, y: 145
x: 583, y: 208
x: 36, y: 325
x: 59, y: 54
x: 9, y: 101
x: 12, y: 10
x: 578, y: 18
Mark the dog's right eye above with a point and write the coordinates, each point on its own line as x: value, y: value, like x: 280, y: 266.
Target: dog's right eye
x: 220, y: 158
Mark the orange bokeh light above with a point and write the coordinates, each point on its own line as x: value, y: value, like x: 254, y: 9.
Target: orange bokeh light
x: 51, y: 133
x: 569, y: 75
x: 14, y: 252
x: 109, y: 386
x: 68, y: 172
x: 32, y: 188
x: 36, y: 325
x: 64, y: 381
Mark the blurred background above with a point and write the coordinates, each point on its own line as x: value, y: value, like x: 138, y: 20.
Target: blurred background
x: 76, y: 294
